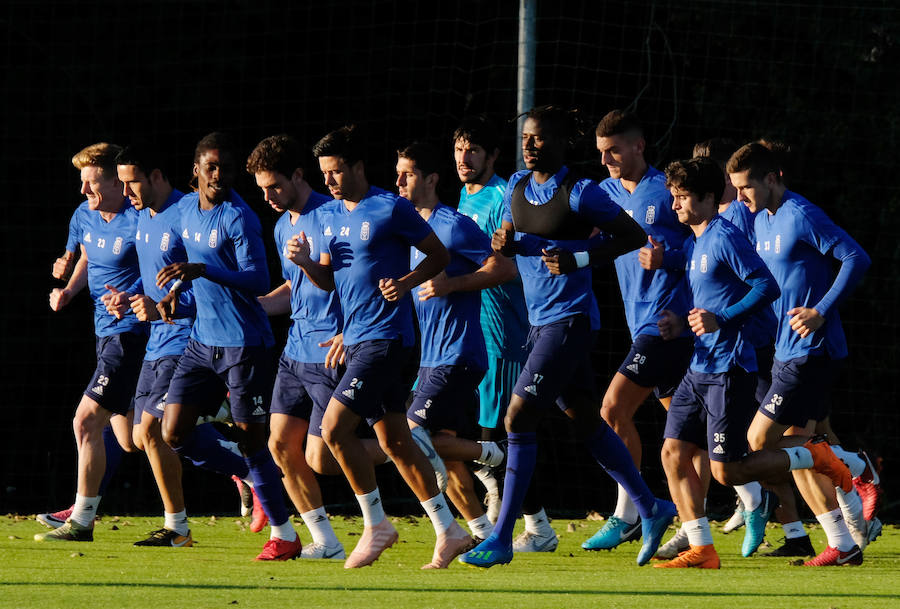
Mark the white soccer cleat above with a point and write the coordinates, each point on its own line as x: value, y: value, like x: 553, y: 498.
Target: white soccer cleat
x: 319, y: 551
x: 737, y: 519
x: 533, y: 542
x: 675, y: 546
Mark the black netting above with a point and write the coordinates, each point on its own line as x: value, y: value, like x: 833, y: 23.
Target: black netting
x: 824, y: 78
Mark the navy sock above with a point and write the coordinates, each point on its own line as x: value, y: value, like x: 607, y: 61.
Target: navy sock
x: 520, y: 463
x: 267, y: 483
x: 114, y: 454
x: 611, y: 453
x: 204, y: 449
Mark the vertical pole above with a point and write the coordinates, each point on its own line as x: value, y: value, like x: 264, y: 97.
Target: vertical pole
x: 526, y: 67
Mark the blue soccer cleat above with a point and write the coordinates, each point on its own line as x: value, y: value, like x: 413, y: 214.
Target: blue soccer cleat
x: 653, y: 528
x: 613, y: 533
x: 488, y: 553
x: 755, y: 522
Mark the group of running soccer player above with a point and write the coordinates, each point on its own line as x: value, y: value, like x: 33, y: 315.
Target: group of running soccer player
x: 725, y: 274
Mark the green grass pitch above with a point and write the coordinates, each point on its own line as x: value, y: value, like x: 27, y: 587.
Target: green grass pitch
x: 219, y: 572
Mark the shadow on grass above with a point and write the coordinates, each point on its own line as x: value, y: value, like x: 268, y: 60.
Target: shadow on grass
x: 419, y: 590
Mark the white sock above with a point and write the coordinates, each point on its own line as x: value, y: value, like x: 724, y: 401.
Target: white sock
x: 800, y: 457
x: 539, y: 524
x: 490, y: 454
x: 85, y: 510
x: 626, y: 510
x: 836, y: 530
x: 439, y: 512
x: 177, y: 522
x: 372, y: 510
x: 698, y: 532
x: 320, y: 527
x: 851, y: 505
x: 750, y: 494
x: 481, y: 526
x: 487, y: 479
x: 853, y: 461
x: 284, y: 531
x: 793, y: 530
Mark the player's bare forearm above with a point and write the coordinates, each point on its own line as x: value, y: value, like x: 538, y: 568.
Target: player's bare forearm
x: 495, y: 270
x: 321, y: 275
x: 278, y: 301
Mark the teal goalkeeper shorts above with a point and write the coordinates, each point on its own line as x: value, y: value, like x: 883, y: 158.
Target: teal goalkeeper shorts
x: 495, y: 390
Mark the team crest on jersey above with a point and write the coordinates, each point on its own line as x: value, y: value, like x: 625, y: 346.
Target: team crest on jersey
x: 117, y: 245
x: 704, y: 264
x: 651, y: 214
x: 777, y: 244
x: 87, y: 237
x: 213, y: 237
x: 364, y: 231
x: 327, y: 231
x: 164, y: 243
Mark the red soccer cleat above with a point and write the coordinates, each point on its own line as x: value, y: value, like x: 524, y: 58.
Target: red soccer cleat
x: 868, y: 485
x: 279, y: 549
x: 826, y: 462
x: 259, y: 520
x: 831, y: 557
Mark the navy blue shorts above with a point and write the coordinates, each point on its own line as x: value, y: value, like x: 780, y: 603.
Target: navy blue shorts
x: 204, y: 374
x: 153, y: 386
x: 764, y: 358
x: 800, y: 390
x: 661, y: 364
x: 303, y: 390
x: 714, y: 412
x: 558, y: 368
x: 446, y: 397
x: 119, y: 359
x: 376, y: 380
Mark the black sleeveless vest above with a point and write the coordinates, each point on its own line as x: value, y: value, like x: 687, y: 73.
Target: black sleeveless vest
x: 552, y: 220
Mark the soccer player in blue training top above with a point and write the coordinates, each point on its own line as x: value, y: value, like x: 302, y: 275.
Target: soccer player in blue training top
x: 759, y: 328
x: 307, y: 374
x: 713, y: 405
x: 504, y: 321
x: 865, y: 475
x: 553, y: 214
x: 798, y: 243
x: 104, y: 228
x: 231, y: 341
x: 369, y: 232
x: 653, y: 365
x: 453, y: 357
x: 159, y: 243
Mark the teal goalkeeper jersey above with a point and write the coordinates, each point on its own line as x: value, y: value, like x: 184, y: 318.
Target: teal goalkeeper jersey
x: 504, y: 319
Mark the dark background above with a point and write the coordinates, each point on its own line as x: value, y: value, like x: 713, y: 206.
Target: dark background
x: 824, y: 79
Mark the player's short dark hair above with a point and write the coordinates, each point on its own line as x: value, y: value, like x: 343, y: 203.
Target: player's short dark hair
x: 145, y: 157
x: 699, y: 175
x: 216, y: 141
x: 424, y: 155
x: 479, y: 131
x: 344, y: 142
x: 718, y: 149
x: 279, y: 153
x: 619, y: 122
x: 755, y: 158
x: 784, y: 156
x: 568, y: 124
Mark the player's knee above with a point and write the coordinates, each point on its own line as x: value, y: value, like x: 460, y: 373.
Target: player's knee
x: 726, y: 474
x: 280, y: 448
x: 674, y: 457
